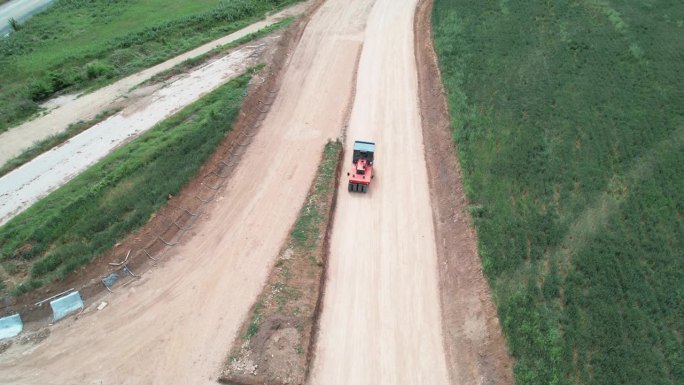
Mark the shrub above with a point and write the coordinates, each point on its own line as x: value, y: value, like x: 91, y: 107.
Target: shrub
x: 97, y: 69
x: 40, y: 89
x: 14, y: 24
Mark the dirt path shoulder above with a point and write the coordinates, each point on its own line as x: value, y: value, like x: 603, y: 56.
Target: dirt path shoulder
x: 275, y: 343
x: 475, y: 347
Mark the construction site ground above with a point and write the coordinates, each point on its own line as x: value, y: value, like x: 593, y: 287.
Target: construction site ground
x: 405, y: 300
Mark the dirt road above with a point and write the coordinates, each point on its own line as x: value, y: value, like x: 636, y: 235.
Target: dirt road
x: 69, y: 109
x: 381, y: 320
x: 381, y: 316
x: 175, y: 325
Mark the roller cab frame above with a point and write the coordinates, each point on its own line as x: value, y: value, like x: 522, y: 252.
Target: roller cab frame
x: 361, y: 172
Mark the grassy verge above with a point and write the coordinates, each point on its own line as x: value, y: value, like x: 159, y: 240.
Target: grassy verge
x: 87, y: 216
x: 286, y: 310
x: 76, y: 45
x: 569, y: 121
x: 53, y: 141
x: 195, y: 61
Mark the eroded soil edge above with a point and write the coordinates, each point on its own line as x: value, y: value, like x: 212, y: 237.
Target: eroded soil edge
x: 474, y: 344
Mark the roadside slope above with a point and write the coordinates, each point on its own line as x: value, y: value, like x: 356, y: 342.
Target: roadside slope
x: 176, y: 324
x: 475, y: 346
x: 381, y: 321
x: 24, y: 186
x: 70, y: 109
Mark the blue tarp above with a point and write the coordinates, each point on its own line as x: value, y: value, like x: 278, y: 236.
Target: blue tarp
x: 10, y: 326
x: 62, y: 307
x: 110, y: 280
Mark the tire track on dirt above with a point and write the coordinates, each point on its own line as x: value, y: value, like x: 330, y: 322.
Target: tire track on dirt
x: 176, y: 324
x: 381, y: 322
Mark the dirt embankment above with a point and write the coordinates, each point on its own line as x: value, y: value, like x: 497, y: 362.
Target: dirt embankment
x: 275, y: 344
x: 475, y: 346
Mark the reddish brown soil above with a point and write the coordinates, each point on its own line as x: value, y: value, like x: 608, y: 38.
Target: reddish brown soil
x: 475, y: 347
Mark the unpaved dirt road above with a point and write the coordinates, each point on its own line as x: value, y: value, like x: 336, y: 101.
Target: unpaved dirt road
x: 69, y: 109
x: 381, y: 322
x: 177, y: 323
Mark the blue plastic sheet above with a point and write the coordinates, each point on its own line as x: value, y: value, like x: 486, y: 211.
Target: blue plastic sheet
x: 110, y: 280
x: 10, y: 326
x: 62, y: 307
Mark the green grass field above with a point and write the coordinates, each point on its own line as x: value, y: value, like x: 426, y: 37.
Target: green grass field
x: 87, y: 216
x: 80, y: 44
x: 569, y: 122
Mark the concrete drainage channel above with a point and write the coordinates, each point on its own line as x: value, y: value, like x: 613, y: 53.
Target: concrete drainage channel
x: 34, y: 180
x: 62, y: 306
x: 10, y: 326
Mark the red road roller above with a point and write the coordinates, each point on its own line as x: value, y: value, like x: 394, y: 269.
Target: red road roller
x: 362, y: 171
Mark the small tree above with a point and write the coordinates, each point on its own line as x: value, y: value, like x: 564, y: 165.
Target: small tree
x: 14, y: 24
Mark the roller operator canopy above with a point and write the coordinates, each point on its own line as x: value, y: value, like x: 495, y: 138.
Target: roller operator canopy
x: 364, y: 146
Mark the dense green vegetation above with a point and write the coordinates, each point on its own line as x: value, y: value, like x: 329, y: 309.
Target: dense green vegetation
x: 87, y: 216
x: 569, y: 122
x: 76, y: 44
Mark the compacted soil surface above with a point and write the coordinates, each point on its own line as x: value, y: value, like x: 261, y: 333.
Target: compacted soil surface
x: 176, y: 324
x: 404, y: 298
x: 381, y: 320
